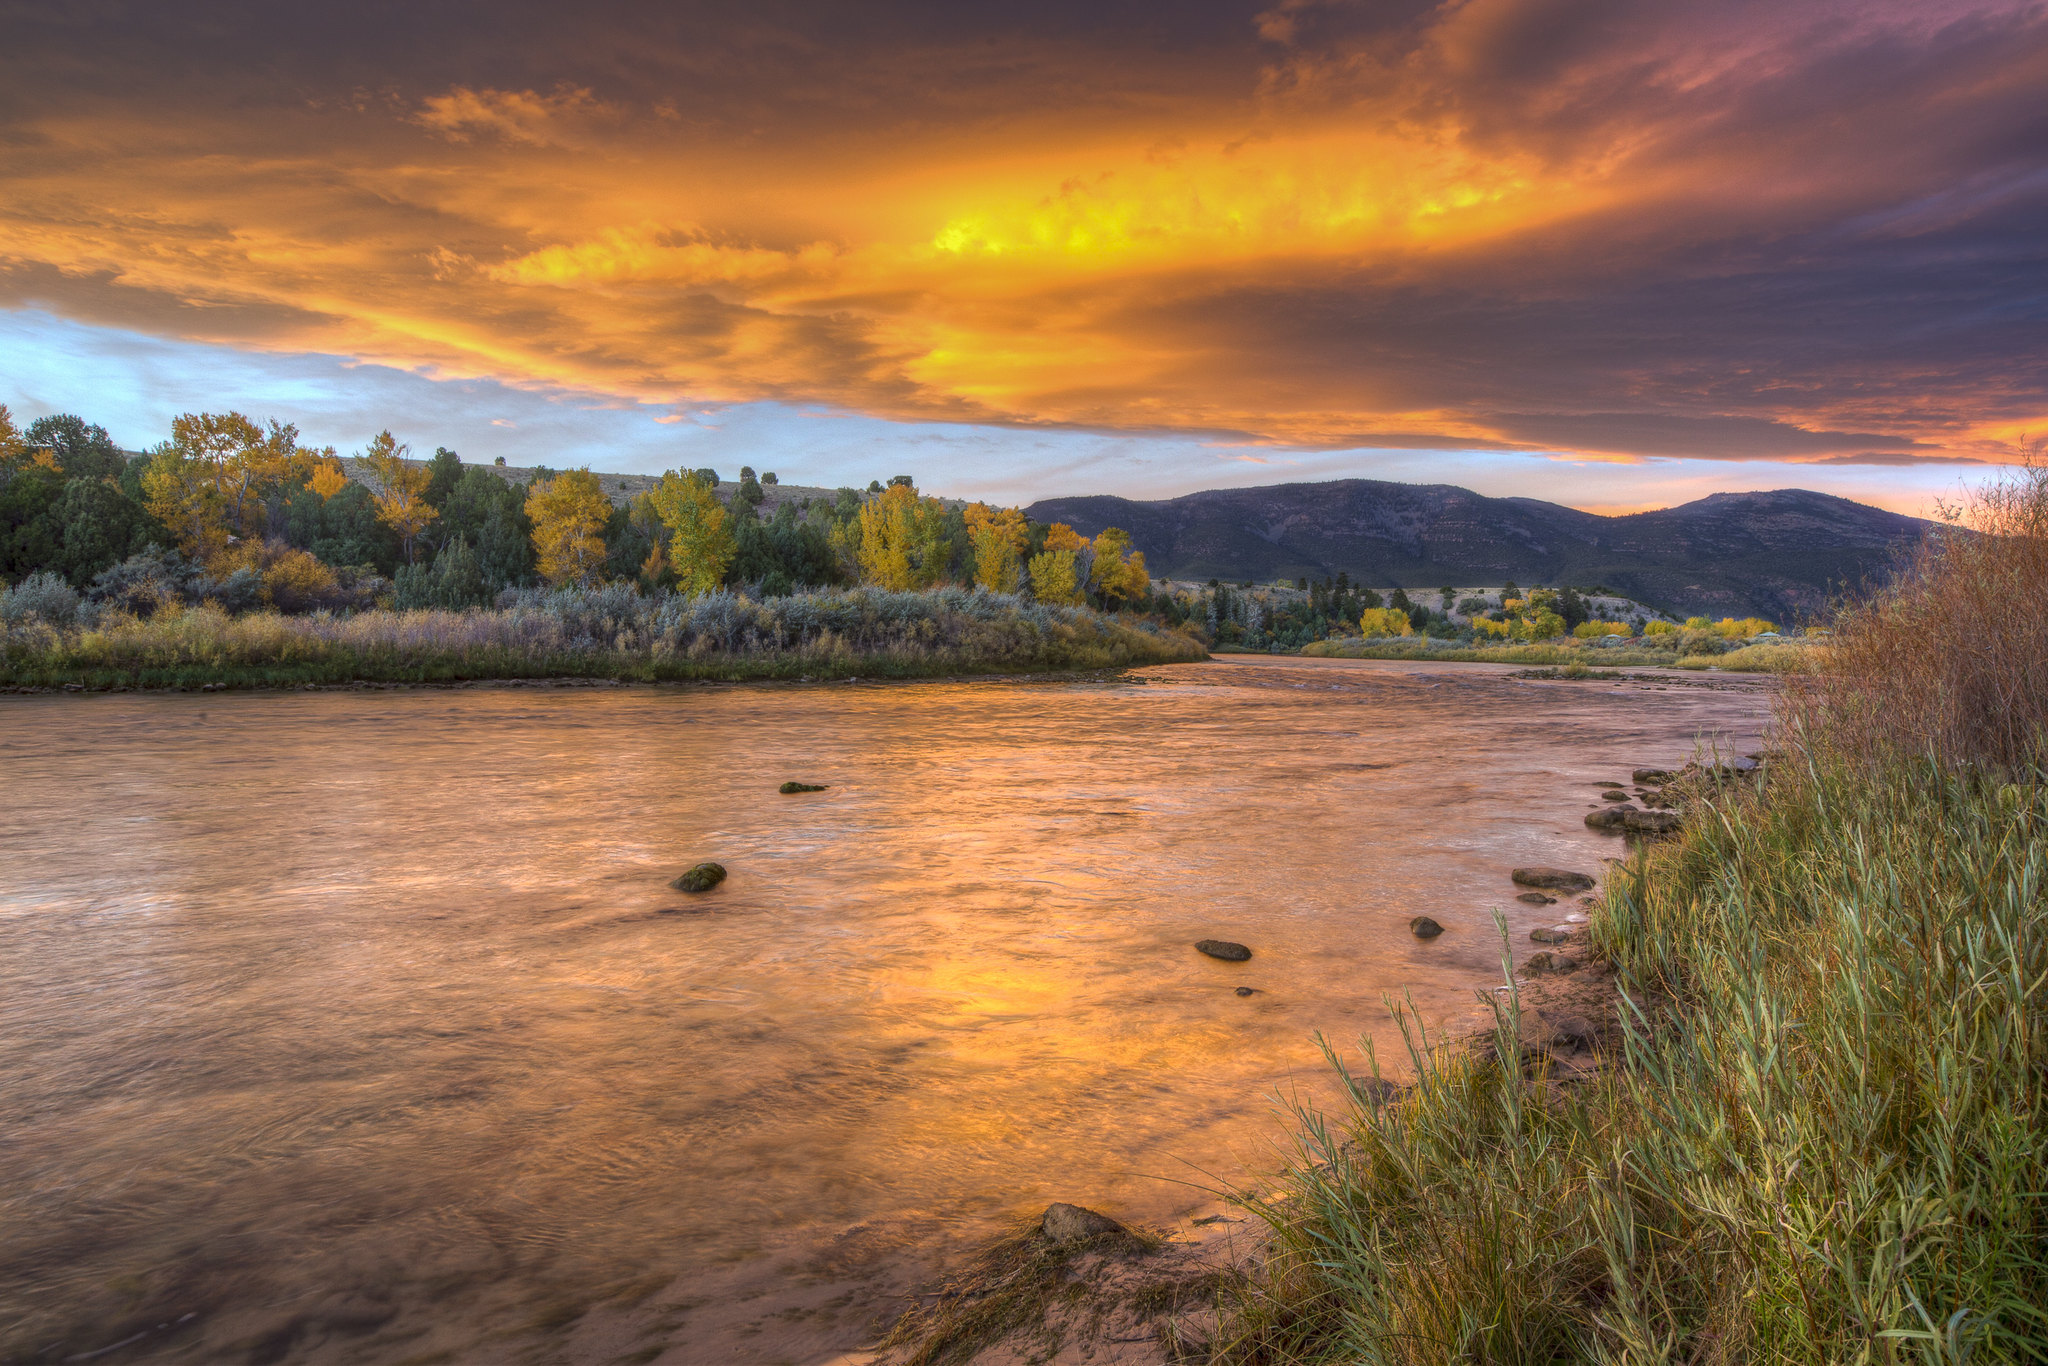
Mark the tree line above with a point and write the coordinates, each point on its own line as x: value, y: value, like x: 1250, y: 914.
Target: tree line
x: 244, y: 513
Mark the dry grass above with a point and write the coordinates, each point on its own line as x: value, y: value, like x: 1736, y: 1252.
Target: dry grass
x: 1951, y: 661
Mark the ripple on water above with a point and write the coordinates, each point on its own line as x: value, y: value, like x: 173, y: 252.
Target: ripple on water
x: 363, y: 999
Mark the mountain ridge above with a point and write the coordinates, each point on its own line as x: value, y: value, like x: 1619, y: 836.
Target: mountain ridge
x: 1785, y: 553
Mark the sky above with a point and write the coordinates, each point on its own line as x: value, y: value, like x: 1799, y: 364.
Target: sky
x: 1605, y: 252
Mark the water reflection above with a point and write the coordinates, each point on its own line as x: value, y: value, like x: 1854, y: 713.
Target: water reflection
x: 363, y: 1026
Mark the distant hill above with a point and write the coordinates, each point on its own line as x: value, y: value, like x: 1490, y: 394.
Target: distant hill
x: 1778, y: 554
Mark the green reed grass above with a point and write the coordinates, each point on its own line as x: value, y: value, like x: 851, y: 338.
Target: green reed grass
x: 1823, y: 1140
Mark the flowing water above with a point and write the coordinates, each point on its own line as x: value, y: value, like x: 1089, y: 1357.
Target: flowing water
x: 364, y: 1026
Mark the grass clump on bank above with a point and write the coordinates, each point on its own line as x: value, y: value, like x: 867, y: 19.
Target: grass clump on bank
x: 614, y: 633
x: 1822, y: 1139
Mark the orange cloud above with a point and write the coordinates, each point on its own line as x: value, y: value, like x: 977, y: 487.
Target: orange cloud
x: 1510, y: 223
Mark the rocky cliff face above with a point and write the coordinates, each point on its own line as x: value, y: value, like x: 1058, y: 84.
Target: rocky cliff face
x: 1782, y: 554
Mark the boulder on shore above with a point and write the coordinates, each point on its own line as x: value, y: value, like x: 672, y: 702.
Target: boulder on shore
x: 1549, y: 936
x: 1556, y: 879
x: 1610, y: 817
x: 702, y: 878
x: 1652, y: 775
x: 1650, y: 822
x: 1064, y: 1223
x: 1422, y: 927
x: 1540, y: 963
x: 1221, y: 948
x: 788, y: 788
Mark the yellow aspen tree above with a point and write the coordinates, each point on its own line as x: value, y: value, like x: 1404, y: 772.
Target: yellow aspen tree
x: 327, y: 477
x: 1385, y: 621
x: 1000, y: 537
x: 1118, y: 573
x: 903, y: 539
x: 401, y: 490
x: 1055, y: 577
x: 701, y: 542
x: 569, y: 513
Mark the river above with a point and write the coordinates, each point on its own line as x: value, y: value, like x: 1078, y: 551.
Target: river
x: 363, y: 1026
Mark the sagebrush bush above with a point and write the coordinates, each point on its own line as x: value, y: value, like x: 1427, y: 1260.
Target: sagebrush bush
x: 612, y: 631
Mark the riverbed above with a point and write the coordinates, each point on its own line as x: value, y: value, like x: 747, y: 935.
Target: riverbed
x: 363, y: 1026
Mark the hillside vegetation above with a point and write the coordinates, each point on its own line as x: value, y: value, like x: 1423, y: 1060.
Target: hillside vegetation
x: 1783, y: 555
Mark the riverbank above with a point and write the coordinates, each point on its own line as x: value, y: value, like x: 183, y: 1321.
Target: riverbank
x: 1765, y: 658
x: 613, y: 634
x: 1796, y: 1108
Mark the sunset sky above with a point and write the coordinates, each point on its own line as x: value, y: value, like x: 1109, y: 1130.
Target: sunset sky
x: 1612, y: 254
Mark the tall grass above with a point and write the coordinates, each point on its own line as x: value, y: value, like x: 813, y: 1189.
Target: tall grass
x: 1952, y: 660
x: 1819, y: 1136
x: 606, y: 633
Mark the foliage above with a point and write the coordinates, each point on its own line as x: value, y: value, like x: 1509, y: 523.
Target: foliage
x: 208, y: 481
x: 700, y: 537
x: 43, y: 597
x: 1951, y: 661
x: 452, y: 582
x: 612, y: 632
x: 1118, y: 572
x: 569, y: 513
x: 489, y: 513
x: 1000, y: 537
x: 401, y: 490
x: 1384, y: 621
x: 82, y: 451
x: 903, y: 542
x: 1589, y: 630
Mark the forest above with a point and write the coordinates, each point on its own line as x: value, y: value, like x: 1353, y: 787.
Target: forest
x: 242, y: 515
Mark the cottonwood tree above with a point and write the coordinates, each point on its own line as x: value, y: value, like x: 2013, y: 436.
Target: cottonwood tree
x: 700, y: 537
x: 903, y: 540
x: 569, y: 513
x: 208, y: 480
x: 999, y: 536
x: 401, y: 490
x: 1118, y: 573
x: 1060, y: 570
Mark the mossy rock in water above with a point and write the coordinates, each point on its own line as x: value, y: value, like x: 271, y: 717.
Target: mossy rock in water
x: 1558, y: 879
x: 788, y: 788
x: 1224, y: 949
x: 702, y: 878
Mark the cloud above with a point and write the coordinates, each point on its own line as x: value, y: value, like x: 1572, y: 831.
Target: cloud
x: 1729, y: 231
x: 515, y: 115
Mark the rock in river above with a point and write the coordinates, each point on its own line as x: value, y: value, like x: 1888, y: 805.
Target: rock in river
x: 1651, y: 775
x: 1614, y: 794
x: 1215, y: 948
x: 1063, y: 1223
x: 1541, y: 963
x: 1650, y: 822
x: 1549, y: 936
x: 788, y: 788
x: 702, y: 878
x: 1536, y: 899
x: 1425, y: 928
x: 1557, y: 879
x: 1610, y: 817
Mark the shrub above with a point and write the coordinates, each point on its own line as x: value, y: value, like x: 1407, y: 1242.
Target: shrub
x: 1951, y: 661
x: 44, y: 596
